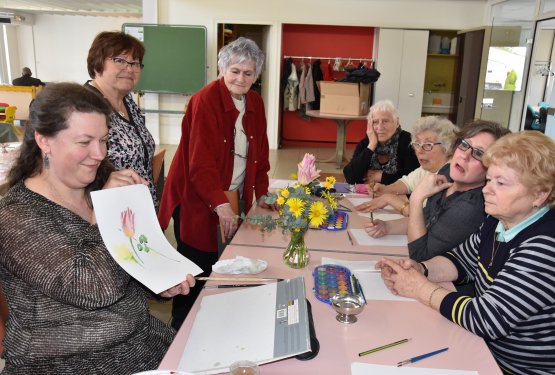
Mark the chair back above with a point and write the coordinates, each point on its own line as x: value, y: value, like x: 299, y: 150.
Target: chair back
x: 158, y: 171
x: 10, y: 114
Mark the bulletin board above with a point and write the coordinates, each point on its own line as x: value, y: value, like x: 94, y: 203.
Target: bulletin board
x: 175, y: 57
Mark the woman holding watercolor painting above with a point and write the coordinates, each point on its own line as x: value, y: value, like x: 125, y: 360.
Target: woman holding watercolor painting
x: 223, y: 147
x: 72, y: 308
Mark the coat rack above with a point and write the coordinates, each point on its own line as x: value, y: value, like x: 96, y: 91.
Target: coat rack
x: 329, y: 58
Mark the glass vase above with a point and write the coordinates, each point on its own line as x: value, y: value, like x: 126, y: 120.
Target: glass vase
x: 296, y: 255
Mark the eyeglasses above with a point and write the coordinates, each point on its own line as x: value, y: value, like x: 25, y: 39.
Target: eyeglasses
x: 463, y: 145
x: 428, y: 146
x: 122, y: 63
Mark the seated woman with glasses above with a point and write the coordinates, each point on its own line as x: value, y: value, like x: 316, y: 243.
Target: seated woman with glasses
x: 223, y: 147
x: 455, y: 206
x: 114, y: 63
x: 432, y: 140
x: 384, y: 155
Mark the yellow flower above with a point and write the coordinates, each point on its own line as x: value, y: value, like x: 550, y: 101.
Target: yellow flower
x: 280, y: 201
x: 285, y: 193
x: 296, y: 206
x: 307, y: 191
x: 318, y: 213
x: 330, y: 181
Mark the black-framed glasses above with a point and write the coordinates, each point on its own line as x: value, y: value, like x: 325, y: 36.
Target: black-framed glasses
x: 233, y: 149
x: 122, y: 63
x: 463, y: 145
x: 428, y: 146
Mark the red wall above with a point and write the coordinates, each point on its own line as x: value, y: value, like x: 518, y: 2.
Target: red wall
x: 332, y: 41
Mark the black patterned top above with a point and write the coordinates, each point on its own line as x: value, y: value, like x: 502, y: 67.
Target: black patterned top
x: 72, y: 308
x: 130, y: 144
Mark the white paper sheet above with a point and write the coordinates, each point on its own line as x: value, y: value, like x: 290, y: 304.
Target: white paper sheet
x: 358, y: 368
x: 280, y: 184
x: 363, y: 239
x: 381, y: 216
x: 141, y: 248
x: 374, y: 287
x: 360, y: 200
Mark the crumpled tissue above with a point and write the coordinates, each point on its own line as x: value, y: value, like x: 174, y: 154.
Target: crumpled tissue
x: 239, y: 265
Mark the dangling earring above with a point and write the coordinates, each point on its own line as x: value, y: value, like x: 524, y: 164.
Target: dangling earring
x: 46, y: 161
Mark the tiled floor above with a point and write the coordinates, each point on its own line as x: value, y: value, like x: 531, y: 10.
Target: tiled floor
x: 283, y: 162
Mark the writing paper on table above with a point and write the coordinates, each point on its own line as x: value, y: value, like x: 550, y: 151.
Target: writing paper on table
x: 376, y: 215
x: 261, y: 324
x: 364, y: 239
x: 281, y: 184
x: 130, y: 230
x: 358, y: 368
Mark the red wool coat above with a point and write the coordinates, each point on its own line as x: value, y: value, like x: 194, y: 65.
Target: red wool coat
x: 202, y: 167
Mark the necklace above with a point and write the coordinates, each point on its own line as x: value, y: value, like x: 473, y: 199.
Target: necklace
x: 83, y: 212
x: 119, y: 108
x: 493, y: 251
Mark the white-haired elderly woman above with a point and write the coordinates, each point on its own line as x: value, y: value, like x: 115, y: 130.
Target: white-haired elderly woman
x: 223, y: 147
x: 509, y: 260
x: 432, y: 140
x: 384, y: 155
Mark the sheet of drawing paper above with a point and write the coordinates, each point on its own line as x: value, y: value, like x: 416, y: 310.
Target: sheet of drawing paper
x: 362, y: 238
x: 129, y: 227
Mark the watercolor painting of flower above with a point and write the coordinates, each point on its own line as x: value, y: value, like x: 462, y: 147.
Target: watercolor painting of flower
x: 137, y: 246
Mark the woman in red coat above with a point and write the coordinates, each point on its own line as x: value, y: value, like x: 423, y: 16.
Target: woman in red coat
x: 223, y: 147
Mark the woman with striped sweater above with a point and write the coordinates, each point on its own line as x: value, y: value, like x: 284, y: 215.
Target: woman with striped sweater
x: 510, y: 260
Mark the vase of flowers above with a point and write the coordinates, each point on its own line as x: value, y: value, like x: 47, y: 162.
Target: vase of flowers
x: 296, y: 254
x: 298, y: 210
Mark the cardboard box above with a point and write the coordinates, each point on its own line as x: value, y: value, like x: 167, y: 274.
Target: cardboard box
x: 344, y: 98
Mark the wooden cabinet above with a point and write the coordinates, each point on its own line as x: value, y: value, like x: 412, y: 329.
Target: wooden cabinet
x: 401, y: 60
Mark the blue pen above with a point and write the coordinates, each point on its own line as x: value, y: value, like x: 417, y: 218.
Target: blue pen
x: 420, y: 357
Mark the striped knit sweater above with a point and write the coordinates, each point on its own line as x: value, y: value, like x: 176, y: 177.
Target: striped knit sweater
x: 514, y: 307
x: 72, y: 309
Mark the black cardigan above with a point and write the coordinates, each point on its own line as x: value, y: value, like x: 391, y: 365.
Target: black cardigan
x: 356, y: 170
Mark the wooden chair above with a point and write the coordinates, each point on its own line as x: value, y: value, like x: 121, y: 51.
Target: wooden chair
x: 158, y: 171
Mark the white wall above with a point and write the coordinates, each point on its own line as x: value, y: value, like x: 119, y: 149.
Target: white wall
x: 60, y: 44
x: 423, y: 14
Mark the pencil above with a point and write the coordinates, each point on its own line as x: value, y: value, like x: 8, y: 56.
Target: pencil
x: 359, y: 287
x: 387, y: 346
x: 232, y: 279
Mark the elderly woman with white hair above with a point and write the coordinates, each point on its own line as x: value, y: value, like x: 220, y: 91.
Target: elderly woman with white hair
x: 223, y: 147
x: 432, y: 141
x: 384, y: 155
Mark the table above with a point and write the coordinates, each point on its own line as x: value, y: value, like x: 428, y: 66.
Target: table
x: 380, y: 323
x: 341, y: 121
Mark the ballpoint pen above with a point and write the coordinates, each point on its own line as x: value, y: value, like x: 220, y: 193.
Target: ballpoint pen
x: 420, y: 357
x: 345, y: 208
x: 387, y: 346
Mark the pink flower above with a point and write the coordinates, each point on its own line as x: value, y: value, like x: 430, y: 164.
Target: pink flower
x: 307, y: 170
x: 128, y: 223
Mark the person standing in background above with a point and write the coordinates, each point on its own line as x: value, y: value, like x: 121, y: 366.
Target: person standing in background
x: 114, y: 63
x: 26, y: 79
x: 223, y: 147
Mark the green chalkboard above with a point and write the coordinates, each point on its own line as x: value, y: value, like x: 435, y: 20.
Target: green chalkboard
x: 175, y: 58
